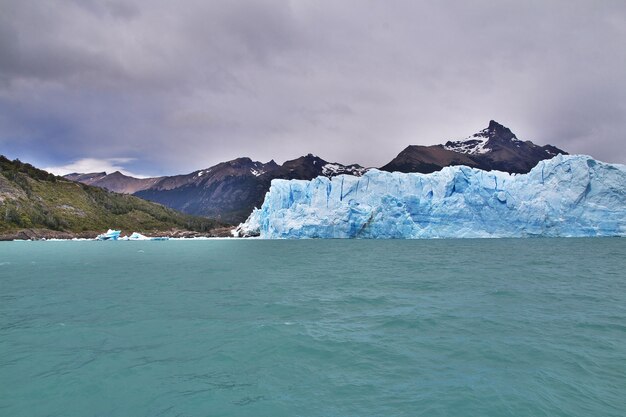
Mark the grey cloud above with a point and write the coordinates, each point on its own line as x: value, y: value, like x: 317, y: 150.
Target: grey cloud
x: 182, y: 85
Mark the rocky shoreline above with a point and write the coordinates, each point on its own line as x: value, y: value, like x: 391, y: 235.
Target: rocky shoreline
x: 46, y: 234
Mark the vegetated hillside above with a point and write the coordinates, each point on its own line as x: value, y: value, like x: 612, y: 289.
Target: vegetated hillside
x: 31, y: 198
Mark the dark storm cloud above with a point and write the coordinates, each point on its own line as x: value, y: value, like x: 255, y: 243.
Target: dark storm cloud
x: 170, y: 87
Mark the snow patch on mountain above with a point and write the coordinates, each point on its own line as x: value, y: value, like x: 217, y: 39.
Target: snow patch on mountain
x: 332, y: 169
x: 471, y: 146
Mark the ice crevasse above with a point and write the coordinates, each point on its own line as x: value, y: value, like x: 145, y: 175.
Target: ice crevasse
x: 569, y: 195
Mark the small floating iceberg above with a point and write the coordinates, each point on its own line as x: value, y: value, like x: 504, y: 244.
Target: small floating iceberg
x: 138, y: 236
x: 115, y: 235
x: 110, y: 235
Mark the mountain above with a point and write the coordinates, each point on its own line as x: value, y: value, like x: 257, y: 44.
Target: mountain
x: 116, y: 181
x: 311, y: 166
x: 230, y: 190
x: 31, y: 198
x: 493, y: 148
x: 227, y: 191
x: 89, y: 178
x: 568, y: 195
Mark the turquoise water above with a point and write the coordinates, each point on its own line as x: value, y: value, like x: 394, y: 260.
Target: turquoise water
x: 528, y: 327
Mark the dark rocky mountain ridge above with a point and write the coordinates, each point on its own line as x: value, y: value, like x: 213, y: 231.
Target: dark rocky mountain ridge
x: 493, y: 148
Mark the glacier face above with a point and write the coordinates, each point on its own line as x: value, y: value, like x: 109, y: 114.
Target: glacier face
x: 569, y: 195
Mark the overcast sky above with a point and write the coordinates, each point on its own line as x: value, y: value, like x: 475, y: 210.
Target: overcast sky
x: 162, y: 87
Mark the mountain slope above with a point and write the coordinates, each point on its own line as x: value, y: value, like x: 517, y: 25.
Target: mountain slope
x: 427, y: 159
x: 32, y: 198
x: 228, y: 191
x: 493, y: 148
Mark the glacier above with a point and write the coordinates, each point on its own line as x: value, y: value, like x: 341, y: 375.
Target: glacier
x: 568, y: 196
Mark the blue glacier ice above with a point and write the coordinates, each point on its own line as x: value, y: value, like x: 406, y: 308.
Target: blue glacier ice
x: 109, y: 235
x: 573, y: 195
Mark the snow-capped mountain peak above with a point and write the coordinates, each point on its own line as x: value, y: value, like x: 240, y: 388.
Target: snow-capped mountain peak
x: 493, y: 148
x: 478, y: 143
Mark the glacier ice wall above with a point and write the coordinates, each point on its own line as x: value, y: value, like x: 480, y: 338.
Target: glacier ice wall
x: 571, y: 195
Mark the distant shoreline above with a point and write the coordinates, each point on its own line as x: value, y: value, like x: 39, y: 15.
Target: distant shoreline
x: 47, y: 234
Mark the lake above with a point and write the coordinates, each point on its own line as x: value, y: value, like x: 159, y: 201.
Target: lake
x: 476, y: 327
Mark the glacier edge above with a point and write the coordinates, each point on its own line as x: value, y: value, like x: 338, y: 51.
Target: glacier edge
x: 568, y: 196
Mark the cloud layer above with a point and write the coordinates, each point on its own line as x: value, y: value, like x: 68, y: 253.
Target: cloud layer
x: 89, y: 165
x: 178, y: 86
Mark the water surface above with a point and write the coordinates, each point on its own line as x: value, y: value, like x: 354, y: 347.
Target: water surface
x: 505, y: 327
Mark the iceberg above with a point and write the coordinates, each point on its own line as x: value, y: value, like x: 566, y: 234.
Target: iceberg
x: 568, y: 195
x: 137, y: 236
x: 109, y: 235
